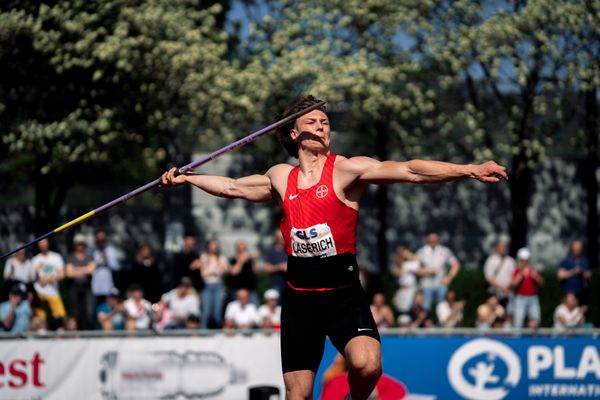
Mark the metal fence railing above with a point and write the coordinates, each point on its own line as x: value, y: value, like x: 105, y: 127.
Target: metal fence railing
x: 425, y: 332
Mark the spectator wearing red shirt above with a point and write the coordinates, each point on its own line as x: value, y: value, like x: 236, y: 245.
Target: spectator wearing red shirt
x: 526, y: 280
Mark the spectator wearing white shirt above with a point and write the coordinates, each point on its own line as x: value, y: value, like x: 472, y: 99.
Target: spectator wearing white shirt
x: 569, y: 315
x: 241, y: 314
x: 19, y: 269
x: 449, y: 312
x: 50, y: 270
x: 212, y: 266
x: 435, y: 280
x: 498, y: 270
x: 406, y: 269
x: 179, y: 304
x: 107, y: 262
x: 270, y: 312
x: 138, y: 310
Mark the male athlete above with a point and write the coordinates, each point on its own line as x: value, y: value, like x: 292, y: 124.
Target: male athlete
x: 320, y: 200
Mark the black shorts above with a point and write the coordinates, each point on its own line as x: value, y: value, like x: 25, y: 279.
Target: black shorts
x: 307, y: 317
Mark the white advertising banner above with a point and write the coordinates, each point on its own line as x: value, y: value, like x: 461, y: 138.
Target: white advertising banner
x: 214, y: 367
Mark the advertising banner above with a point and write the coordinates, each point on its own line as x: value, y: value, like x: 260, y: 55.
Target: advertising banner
x: 226, y: 366
x: 215, y: 367
x: 485, y: 368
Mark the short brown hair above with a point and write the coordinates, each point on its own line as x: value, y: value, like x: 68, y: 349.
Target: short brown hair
x: 284, y: 131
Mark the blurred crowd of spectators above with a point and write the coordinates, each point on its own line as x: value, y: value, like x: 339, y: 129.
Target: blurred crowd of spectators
x: 423, y: 298
x: 210, y: 291
x: 90, y: 289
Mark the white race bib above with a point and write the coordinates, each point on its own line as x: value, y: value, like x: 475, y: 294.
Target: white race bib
x: 314, y: 241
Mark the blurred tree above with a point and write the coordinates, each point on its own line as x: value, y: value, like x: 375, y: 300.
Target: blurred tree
x: 345, y: 52
x: 511, y: 60
x: 459, y: 80
x: 586, y: 65
x: 93, y: 90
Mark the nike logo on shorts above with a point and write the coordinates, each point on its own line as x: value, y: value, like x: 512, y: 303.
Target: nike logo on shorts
x: 364, y: 329
x: 293, y: 196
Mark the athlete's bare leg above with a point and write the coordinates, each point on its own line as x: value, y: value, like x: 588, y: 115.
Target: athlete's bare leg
x: 363, y: 355
x: 299, y: 385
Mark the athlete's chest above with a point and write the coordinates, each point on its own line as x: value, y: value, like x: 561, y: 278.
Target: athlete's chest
x: 305, y: 182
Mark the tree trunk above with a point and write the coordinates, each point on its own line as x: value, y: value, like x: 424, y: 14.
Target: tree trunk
x: 382, y: 199
x: 519, y: 184
x: 520, y: 179
x: 590, y: 181
x: 50, y: 194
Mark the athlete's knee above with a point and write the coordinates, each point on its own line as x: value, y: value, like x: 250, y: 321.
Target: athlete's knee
x: 298, y: 392
x: 366, y: 364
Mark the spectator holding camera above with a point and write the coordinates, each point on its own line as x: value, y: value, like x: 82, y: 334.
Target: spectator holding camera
x: 15, y: 313
x: 526, y: 280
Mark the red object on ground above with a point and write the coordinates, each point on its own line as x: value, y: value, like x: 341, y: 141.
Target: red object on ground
x: 387, y: 388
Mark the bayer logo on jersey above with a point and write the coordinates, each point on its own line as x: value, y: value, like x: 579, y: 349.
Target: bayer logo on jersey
x: 322, y: 191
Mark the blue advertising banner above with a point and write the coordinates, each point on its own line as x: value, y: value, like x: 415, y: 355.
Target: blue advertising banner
x: 486, y: 368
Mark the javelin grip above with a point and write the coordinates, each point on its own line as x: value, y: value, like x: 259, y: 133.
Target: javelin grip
x: 180, y: 171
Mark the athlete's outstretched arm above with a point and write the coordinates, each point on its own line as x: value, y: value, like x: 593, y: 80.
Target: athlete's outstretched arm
x: 255, y: 188
x: 369, y: 170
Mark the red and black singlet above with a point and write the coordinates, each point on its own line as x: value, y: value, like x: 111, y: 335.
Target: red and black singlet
x: 316, y: 223
x: 319, y: 232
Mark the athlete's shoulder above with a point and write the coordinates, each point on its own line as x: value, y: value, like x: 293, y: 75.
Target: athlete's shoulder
x: 279, y: 169
x: 278, y: 175
x: 354, y: 165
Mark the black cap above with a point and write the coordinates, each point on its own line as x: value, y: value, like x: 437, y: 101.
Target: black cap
x: 19, y: 288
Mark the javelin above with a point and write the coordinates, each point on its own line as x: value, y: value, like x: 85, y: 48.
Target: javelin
x: 180, y: 171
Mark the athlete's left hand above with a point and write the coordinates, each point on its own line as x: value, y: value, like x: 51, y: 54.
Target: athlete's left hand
x: 489, y: 172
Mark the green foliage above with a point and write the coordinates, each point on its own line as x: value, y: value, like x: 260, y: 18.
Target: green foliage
x: 95, y: 90
x: 99, y: 82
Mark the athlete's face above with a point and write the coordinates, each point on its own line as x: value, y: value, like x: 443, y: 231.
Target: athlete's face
x: 312, y: 131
